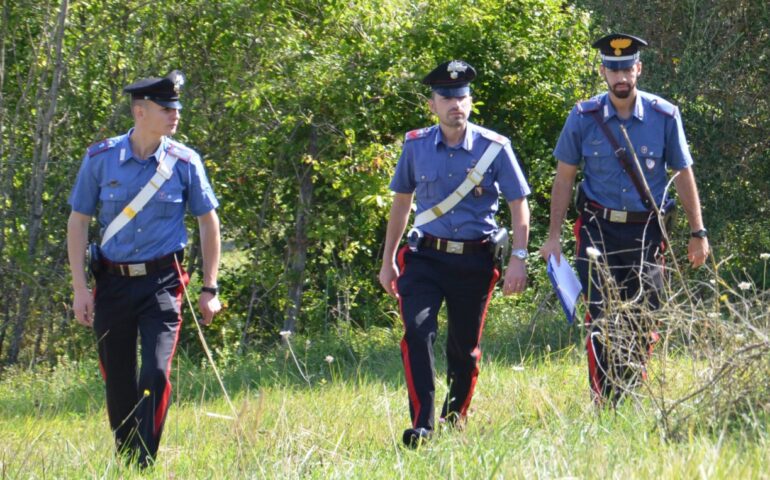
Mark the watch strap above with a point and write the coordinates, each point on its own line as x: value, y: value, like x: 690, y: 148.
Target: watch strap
x: 212, y: 290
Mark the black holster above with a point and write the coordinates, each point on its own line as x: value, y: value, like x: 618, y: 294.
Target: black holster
x: 499, y: 244
x: 414, y: 239
x: 94, y: 259
x: 580, y: 198
x: 668, y: 214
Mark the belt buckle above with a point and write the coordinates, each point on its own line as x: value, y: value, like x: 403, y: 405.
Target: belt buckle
x: 454, y: 247
x: 136, y: 270
x: 618, y: 216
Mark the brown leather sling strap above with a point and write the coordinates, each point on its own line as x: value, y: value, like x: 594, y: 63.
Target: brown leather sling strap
x: 622, y: 155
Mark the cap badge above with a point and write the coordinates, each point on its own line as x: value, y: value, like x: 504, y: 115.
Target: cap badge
x: 178, y: 82
x: 454, y: 68
x: 644, y: 149
x: 619, y: 44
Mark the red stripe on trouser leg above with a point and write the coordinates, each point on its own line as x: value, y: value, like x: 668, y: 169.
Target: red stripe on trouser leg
x: 101, y: 366
x: 576, y: 231
x: 594, y: 376
x: 413, y: 398
x: 654, y: 338
x: 101, y: 369
x: 477, y: 350
x: 162, y: 408
x: 593, y: 369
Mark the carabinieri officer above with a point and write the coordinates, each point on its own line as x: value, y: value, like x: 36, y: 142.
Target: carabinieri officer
x: 617, y: 215
x: 456, y: 171
x: 141, y: 183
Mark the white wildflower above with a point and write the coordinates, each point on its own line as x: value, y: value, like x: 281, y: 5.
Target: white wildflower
x: 764, y: 256
x: 744, y: 285
x: 329, y: 359
x: 593, y: 253
x: 285, y: 333
x: 713, y: 315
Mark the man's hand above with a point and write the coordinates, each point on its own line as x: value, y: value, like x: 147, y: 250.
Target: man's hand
x: 515, y: 276
x: 552, y: 246
x: 209, y: 305
x: 388, y: 276
x: 698, y: 251
x: 83, y: 306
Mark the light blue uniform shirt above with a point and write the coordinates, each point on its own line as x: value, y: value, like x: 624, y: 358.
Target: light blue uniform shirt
x: 432, y: 170
x: 110, y: 177
x: 655, y: 129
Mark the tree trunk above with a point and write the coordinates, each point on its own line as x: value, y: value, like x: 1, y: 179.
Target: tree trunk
x: 41, y: 155
x: 5, y: 179
x: 4, y: 325
x: 295, y: 273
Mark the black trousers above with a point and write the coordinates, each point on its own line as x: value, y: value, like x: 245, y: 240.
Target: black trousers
x: 465, y: 282
x: 128, y: 310
x: 622, y: 292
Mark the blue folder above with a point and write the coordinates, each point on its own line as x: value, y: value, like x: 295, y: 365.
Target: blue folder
x: 566, y: 285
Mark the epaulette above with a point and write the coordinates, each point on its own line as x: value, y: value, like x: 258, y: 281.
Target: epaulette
x: 179, y: 150
x: 663, y: 106
x: 494, y: 136
x: 589, y: 106
x: 415, y: 134
x: 102, y: 146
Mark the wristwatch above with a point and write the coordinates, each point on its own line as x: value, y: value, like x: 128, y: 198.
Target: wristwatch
x: 212, y: 290
x: 702, y: 233
x: 520, y: 253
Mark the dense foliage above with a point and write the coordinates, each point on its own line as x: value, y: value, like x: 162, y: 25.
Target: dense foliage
x: 299, y: 108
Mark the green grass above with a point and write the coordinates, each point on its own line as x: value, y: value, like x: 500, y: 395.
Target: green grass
x: 531, y: 417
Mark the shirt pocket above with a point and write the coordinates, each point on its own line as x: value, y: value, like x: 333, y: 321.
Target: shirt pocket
x: 489, y: 178
x: 168, y: 202
x: 427, y: 184
x: 651, y: 158
x: 600, y: 160
x: 113, y: 200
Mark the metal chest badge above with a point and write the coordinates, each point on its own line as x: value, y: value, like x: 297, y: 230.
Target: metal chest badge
x: 650, y: 163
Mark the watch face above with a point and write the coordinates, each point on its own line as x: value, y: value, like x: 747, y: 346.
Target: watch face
x: 520, y: 254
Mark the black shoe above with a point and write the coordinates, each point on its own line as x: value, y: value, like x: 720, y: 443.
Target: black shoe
x: 414, y: 437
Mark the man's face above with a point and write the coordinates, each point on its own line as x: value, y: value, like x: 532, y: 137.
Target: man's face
x: 622, y: 83
x: 157, y: 119
x: 451, y: 111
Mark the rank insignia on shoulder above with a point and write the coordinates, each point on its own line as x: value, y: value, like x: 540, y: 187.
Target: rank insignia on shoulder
x: 494, y: 136
x: 179, y: 151
x: 102, y: 146
x: 589, y: 106
x: 415, y: 134
x: 664, y: 107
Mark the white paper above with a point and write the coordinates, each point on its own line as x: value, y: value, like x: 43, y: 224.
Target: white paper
x: 565, y: 284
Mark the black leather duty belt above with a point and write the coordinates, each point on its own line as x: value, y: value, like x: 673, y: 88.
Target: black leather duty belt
x: 452, y: 246
x: 617, y: 216
x: 141, y: 269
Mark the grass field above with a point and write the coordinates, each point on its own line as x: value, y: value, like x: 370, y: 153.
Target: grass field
x: 531, y: 417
